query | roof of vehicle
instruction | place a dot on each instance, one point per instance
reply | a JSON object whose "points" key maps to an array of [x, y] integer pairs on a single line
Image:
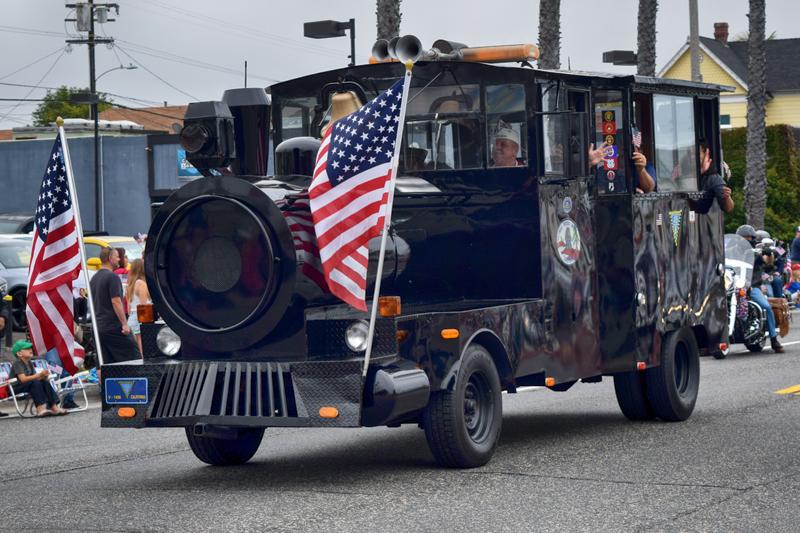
{"points": [[15, 216]]}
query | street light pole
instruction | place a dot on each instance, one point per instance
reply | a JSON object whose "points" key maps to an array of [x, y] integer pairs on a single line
{"points": [[352, 43]]}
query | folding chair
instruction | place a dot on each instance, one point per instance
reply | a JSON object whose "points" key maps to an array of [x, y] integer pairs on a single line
{"points": [[23, 402]]}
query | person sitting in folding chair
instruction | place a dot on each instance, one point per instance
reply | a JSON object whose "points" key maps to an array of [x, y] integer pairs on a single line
{"points": [[37, 384]]}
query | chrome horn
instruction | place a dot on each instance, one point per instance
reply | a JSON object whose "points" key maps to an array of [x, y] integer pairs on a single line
{"points": [[409, 47], [391, 47], [380, 50]]}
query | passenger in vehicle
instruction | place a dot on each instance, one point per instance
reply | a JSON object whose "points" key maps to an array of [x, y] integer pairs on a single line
{"points": [[712, 182], [644, 180], [506, 147]]}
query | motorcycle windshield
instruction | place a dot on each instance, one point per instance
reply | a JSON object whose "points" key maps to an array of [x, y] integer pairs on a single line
{"points": [[739, 257]]}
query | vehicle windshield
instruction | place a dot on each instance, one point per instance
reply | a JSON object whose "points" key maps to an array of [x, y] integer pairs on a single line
{"points": [[15, 254], [739, 256], [9, 226], [133, 250]]}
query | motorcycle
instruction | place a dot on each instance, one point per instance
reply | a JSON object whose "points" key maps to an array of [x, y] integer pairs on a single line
{"points": [[747, 322]]}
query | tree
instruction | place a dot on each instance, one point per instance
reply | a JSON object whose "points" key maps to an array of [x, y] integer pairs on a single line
{"points": [[755, 182], [57, 104], [646, 47], [549, 34], [389, 16]]}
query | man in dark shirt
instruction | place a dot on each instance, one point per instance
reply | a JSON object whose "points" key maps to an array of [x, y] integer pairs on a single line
{"points": [[116, 341], [712, 182], [794, 253]]}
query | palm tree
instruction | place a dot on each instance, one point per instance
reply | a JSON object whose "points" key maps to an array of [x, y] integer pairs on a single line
{"points": [[646, 55], [755, 181], [389, 16], [549, 34]]}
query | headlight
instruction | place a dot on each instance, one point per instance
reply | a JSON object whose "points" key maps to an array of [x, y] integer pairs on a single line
{"points": [[168, 342], [740, 283], [356, 336], [728, 279]]}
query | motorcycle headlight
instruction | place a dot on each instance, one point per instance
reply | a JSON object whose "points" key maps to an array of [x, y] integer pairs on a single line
{"points": [[728, 279], [168, 342], [740, 282], [356, 336]]}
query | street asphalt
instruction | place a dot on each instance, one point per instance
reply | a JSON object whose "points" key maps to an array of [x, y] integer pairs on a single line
{"points": [[566, 461]]}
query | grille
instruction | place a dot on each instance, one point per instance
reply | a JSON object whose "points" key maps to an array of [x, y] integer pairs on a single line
{"points": [[225, 389]]}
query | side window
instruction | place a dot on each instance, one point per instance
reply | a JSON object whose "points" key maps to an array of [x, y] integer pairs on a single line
{"points": [[296, 115], [507, 129], [92, 250], [554, 125], [609, 127], [443, 130], [676, 154]]}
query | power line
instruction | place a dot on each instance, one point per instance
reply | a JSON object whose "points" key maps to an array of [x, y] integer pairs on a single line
{"points": [[40, 81], [32, 63], [156, 75]]}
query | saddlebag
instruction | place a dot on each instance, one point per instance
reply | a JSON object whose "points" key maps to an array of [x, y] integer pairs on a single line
{"points": [[780, 307]]}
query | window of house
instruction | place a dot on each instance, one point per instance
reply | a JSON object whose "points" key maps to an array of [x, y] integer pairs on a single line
{"points": [[676, 153]]}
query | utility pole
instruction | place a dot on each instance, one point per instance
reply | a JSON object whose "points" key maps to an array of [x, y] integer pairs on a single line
{"points": [[694, 41], [86, 13]]}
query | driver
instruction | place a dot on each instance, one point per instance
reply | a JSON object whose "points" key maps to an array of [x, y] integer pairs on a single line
{"points": [[506, 147], [749, 233]]}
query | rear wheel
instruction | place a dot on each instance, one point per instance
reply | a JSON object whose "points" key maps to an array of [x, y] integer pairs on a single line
{"points": [[631, 396], [462, 425], [226, 452], [672, 386]]}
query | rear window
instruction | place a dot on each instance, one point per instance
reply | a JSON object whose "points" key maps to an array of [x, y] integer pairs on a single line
{"points": [[14, 255]]}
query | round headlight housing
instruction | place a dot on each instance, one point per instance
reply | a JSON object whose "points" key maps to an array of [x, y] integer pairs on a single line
{"points": [[356, 336], [168, 342]]}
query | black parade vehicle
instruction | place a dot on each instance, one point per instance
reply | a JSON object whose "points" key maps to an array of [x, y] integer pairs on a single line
{"points": [[554, 269]]}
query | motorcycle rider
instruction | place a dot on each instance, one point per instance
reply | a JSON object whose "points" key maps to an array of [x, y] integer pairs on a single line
{"points": [[760, 264]]}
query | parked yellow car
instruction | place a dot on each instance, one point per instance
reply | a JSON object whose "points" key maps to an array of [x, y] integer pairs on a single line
{"points": [[93, 245]]}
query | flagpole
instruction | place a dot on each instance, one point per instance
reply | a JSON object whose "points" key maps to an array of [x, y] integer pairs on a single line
{"points": [[79, 229], [387, 222]]}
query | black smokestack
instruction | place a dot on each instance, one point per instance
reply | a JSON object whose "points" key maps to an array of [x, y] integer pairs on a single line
{"points": [[250, 109]]}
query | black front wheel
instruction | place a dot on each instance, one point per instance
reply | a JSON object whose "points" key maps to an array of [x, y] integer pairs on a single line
{"points": [[462, 425], [226, 452], [673, 385]]}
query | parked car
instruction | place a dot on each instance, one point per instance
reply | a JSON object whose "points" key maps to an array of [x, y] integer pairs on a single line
{"points": [[15, 256], [94, 243], [11, 223]]}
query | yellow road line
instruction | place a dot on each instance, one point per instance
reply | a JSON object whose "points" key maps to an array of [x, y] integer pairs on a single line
{"points": [[794, 389]]}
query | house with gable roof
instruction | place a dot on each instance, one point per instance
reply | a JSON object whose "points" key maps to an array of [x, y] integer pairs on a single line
{"points": [[725, 62]]}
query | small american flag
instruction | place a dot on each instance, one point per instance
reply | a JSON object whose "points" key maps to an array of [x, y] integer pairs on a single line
{"points": [[55, 263], [636, 137], [350, 191]]}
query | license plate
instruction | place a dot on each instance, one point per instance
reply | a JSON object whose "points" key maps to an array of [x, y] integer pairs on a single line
{"points": [[130, 391]]}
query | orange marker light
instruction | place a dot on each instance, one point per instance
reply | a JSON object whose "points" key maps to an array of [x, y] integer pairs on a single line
{"points": [[389, 306], [723, 346], [328, 412], [550, 381], [401, 335], [126, 412], [146, 313], [742, 293], [451, 333], [641, 365], [501, 54]]}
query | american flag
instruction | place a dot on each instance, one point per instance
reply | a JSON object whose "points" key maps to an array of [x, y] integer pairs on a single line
{"points": [[350, 189], [55, 263], [296, 209]]}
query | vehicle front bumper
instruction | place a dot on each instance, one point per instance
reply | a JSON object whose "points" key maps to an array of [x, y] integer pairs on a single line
{"points": [[261, 394]]}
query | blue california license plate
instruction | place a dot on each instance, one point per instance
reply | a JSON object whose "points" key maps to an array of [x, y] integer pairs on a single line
{"points": [[130, 391]]}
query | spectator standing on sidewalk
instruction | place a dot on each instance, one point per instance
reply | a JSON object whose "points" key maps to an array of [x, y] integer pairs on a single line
{"points": [[116, 341], [136, 293], [794, 251]]}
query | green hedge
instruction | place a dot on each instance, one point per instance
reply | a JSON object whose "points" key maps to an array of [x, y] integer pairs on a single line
{"points": [[783, 179]]}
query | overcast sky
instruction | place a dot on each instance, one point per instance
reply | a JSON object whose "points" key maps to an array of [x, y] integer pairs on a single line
{"points": [[173, 40]]}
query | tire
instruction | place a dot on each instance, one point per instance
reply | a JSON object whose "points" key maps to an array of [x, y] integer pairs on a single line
{"points": [[632, 396], [462, 425], [224, 452], [672, 386], [18, 303], [757, 346]]}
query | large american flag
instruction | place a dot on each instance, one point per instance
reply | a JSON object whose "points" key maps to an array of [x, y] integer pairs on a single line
{"points": [[350, 188], [55, 263]]}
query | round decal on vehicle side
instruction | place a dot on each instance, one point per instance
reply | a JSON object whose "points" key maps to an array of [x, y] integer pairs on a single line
{"points": [[566, 205], [568, 242]]}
